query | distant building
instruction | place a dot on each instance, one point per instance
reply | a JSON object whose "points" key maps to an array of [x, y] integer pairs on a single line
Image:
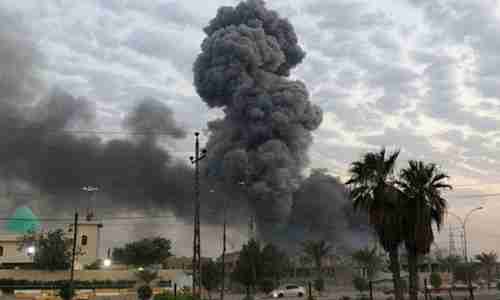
{"points": [[88, 241], [10, 253], [89, 238], [181, 262]]}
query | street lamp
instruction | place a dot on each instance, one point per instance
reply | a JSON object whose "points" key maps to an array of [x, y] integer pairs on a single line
{"points": [[107, 263], [463, 222], [31, 250], [91, 190]]}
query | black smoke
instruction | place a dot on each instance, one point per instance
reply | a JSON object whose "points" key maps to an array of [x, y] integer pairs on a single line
{"points": [[265, 134], [40, 148]]}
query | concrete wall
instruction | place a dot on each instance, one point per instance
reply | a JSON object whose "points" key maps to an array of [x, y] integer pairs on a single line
{"points": [[11, 253], [85, 275]]}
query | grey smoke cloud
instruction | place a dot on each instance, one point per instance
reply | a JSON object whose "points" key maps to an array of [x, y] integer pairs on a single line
{"points": [[265, 134]]}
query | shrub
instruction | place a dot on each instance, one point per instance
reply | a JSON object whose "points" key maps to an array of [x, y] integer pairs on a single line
{"points": [[96, 265], [498, 285], [345, 298], [164, 296], [266, 285], [66, 292], [144, 292], [360, 283], [249, 297], [435, 280], [319, 284], [363, 297]]}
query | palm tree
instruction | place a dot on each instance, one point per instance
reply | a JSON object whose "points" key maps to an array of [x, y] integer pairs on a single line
{"points": [[373, 191], [368, 261], [488, 261], [421, 185], [316, 252]]}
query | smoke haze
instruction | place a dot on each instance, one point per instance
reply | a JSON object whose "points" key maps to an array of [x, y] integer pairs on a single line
{"points": [[257, 151]]}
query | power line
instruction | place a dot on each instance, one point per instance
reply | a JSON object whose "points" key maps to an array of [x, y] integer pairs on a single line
{"points": [[478, 195]]}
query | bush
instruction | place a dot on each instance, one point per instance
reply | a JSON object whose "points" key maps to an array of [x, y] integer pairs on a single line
{"points": [[266, 285], [170, 296], [360, 283], [345, 298], [363, 297], [96, 265], [66, 292], [435, 280], [144, 292], [498, 285], [319, 284], [249, 297], [164, 296], [7, 290]]}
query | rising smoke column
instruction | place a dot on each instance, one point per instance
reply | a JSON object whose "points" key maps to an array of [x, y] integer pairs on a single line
{"points": [[265, 134]]}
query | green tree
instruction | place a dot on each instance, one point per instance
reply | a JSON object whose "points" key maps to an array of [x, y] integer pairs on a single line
{"points": [[211, 276], [435, 280], [316, 251], [143, 253], [274, 263], [488, 261], [53, 251], [449, 262], [373, 190], [248, 266], [368, 261], [421, 185], [146, 275]]}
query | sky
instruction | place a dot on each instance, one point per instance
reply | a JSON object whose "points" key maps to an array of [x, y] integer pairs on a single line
{"points": [[417, 75]]}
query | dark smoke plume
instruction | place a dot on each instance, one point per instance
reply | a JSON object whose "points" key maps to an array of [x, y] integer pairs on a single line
{"points": [[264, 137], [39, 150]]}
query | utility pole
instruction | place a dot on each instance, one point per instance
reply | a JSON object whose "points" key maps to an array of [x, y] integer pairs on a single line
{"points": [[73, 255], [224, 250], [196, 237], [463, 223]]}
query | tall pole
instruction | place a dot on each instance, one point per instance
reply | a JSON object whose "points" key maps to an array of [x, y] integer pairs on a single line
{"points": [[73, 255], [463, 222], [196, 237], [224, 250]]}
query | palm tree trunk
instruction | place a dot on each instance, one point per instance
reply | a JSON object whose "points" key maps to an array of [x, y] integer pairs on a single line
{"points": [[396, 273], [488, 273], [413, 274]]}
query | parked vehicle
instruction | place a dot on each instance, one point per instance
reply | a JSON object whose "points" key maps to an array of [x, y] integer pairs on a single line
{"points": [[288, 290]]}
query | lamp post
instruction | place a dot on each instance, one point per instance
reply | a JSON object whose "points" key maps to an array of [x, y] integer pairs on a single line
{"points": [[92, 190], [463, 223]]}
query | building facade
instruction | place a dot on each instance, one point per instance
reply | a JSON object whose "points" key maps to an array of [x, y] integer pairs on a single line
{"points": [[88, 243]]}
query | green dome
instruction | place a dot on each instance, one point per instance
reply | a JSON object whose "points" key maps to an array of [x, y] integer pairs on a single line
{"points": [[23, 221]]}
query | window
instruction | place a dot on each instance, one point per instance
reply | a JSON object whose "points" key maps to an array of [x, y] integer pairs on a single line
{"points": [[1, 251], [84, 240], [291, 287]]}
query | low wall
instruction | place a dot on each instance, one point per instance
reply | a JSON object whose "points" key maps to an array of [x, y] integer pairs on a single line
{"points": [[85, 275]]}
